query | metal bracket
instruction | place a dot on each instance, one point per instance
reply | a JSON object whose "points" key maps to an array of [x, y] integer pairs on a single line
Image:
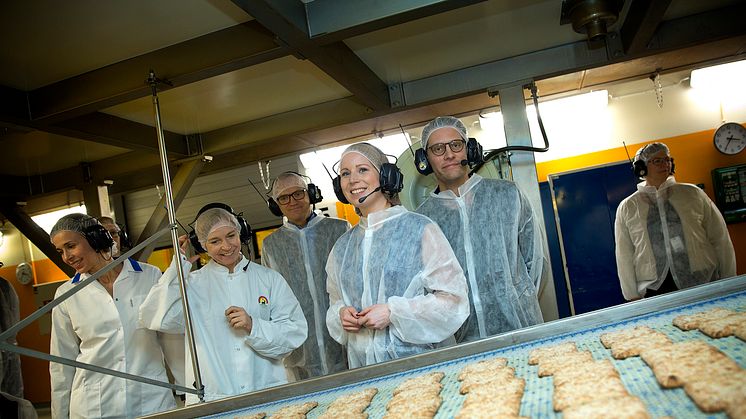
{"points": [[614, 46], [396, 95]]}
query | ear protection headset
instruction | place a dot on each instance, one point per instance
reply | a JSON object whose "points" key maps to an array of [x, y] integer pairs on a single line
{"points": [[244, 232], [640, 168], [97, 236], [390, 178], [474, 156], [314, 195], [124, 238]]}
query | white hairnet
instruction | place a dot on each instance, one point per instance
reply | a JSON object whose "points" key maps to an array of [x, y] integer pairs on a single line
{"points": [[286, 181], [76, 222], [213, 219], [443, 122], [644, 153], [376, 157]]}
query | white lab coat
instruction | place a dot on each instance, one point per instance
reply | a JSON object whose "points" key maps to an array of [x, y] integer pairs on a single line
{"points": [[401, 259], [674, 228], [94, 328], [231, 361]]}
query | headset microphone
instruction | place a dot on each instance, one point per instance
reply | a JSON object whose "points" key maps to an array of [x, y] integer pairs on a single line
{"points": [[361, 200], [464, 162]]}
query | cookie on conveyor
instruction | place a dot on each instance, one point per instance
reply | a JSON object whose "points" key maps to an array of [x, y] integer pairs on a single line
{"points": [[549, 366], [296, 411], [723, 326], [473, 380], [740, 332], [421, 380], [510, 392], [610, 338], [633, 346], [576, 393], [718, 393], [482, 366], [692, 321], [596, 370], [350, 406], [679, 363], [625, 407], [536, 355]]}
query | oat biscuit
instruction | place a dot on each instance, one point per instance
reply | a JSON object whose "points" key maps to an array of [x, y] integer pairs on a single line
{"points": [[723, 326], [261, 415], [715, 394], [425, 379], [608, 339], [625, 407], [475, 380], [549, 366], [596, 370], [536, 355], [692, 321], [296, 411], [351, 405], [680, 363], [481, 366], [578, 393], [633, 346]]}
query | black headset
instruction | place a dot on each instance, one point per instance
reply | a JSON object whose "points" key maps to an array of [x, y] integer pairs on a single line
{"points": [[96, 235], [474, 156], [640, 168], [124, 238], [390, 178], [244, 233], [314, 194]]}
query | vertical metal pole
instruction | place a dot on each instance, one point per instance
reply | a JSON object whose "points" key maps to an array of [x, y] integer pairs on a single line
{"points": [[174, 236]]}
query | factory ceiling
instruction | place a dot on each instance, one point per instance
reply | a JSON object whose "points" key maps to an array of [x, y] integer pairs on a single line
{"points": [[249, 80]]}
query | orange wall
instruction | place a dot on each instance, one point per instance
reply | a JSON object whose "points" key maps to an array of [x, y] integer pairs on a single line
{"points": [[695, 158]]}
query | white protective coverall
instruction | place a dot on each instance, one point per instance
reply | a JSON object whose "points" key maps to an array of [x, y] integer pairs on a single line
{"points": [[675, 227], [402, 259], [300, 255], [231, 361], [96, 328], [494, 234]]}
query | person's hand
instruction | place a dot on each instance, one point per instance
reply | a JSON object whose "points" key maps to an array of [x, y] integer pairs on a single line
{"points": [[377, 316], [184, 247], [349, 317], [239, 318]]}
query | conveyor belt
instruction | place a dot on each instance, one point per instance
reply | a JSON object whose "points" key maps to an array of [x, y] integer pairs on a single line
{"points": [[537, 399]]}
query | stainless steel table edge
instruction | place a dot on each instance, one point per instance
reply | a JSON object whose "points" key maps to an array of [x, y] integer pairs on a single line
{"points": [[532, 334]]}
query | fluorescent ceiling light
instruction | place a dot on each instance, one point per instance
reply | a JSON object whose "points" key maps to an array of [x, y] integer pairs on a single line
{"points": [[725, 77]]}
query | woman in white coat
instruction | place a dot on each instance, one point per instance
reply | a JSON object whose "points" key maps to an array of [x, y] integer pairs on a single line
{"points": [[98, 325], [244, 316], [395, 286]]}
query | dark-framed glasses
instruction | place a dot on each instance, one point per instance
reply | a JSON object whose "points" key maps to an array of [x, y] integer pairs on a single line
{"points": [[440, 148], [660, 160], [297, 195]]}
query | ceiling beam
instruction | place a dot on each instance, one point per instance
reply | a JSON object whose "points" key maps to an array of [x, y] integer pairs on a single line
{"points": [[335, 59], [335, 20], [643, 18], [207, 56], [34, 233]]}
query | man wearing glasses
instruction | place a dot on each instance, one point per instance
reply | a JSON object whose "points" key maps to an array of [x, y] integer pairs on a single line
{"points": [[298, 250], [669, 235], [493, 231]]}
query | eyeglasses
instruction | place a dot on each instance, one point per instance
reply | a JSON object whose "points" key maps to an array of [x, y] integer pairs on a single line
{"points": [[440, 148], [660, 160], [297, 195]]}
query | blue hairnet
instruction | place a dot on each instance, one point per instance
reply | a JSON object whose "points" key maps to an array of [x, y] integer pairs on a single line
{"points": [[443, 122]]}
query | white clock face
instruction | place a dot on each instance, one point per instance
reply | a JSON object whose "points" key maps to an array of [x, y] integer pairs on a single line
{"points": [[24, 273], [730, 138]]}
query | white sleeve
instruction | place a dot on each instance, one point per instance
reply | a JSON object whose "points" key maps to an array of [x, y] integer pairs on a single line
{"points": [[66, 344], [336, 302], [286, 329], [531, 242], [437, 315], [624, 250], [717, 234], [162, 310]]}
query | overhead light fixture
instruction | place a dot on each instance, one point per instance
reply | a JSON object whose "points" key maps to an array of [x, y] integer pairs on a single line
{"points": [[724, 76], [591, 17]]}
